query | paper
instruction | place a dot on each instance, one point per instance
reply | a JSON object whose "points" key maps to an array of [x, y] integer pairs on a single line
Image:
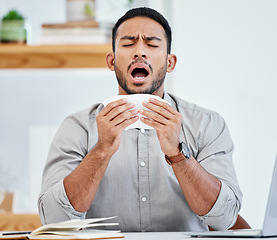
{"points": [[75, 224], [137, 100], [76, 229]]}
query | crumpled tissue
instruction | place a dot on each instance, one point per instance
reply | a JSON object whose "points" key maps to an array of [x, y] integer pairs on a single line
{"points": [[137, 100]]}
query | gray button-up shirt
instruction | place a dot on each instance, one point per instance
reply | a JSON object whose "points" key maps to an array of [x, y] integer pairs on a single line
{"points": [[139, 186]]}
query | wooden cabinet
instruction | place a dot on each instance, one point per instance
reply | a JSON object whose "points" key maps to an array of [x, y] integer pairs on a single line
{"points": [[19, 222], [53, 56]]}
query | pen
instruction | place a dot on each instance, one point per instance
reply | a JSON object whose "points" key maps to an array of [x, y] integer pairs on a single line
{"points": [[14, 233]]}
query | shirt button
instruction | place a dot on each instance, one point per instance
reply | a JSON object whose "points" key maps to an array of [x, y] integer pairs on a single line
{"points": [[142, 164], [142, 130], [143, 199]]}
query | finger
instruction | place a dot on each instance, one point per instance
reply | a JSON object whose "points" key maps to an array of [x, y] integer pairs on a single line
{"points": [[154, 116], [112, 105], [127, 123], [154, 124], [158, 109], [118, 110], [124, 116], [163, 105]]}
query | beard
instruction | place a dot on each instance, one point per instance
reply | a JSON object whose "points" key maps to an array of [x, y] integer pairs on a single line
{"points": [[156, 84]]}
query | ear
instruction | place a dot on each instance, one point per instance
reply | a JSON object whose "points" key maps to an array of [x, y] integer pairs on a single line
{"points": [[110, 61], [171, 62]]}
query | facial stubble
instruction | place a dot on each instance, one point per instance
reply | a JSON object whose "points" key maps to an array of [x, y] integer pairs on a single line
{"points": [[156, 84]]}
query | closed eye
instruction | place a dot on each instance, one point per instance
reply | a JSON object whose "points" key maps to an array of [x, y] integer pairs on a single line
{"points": [[128, 45], [151, 45]]}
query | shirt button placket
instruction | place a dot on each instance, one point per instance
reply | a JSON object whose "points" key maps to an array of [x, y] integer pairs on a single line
{"points": [[144, 184]]}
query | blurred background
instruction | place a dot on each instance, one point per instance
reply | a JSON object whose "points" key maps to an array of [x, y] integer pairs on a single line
{"points": [[227, 58]]}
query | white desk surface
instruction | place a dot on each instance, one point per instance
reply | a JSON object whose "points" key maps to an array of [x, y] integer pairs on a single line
{"points": [[169, 236], [154, 235]]}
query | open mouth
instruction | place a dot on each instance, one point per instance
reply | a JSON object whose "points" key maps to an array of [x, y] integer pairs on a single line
{"points": [[139, 73]]}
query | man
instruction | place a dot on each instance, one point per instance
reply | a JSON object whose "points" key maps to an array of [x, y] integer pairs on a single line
{"points": [[178, 176]]}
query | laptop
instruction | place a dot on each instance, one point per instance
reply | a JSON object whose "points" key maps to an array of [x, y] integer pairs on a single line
{"points": [[270, 220]]}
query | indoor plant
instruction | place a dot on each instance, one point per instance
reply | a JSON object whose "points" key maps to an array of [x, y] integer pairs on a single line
{"points": [[13, 28]]}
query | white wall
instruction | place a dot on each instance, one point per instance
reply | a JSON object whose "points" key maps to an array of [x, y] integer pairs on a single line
{"points": [[227, 57], [33, 104]]}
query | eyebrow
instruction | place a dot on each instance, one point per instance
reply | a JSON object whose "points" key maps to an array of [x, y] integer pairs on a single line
{"points": [[153, 38], [144, 38], [128, 38]]}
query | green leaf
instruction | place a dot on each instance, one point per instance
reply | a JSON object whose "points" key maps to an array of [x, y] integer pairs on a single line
{"points": [[88, 10], [13, 15]]}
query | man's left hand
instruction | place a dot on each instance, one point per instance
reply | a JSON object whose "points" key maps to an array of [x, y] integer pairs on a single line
{"points": [[167, 122]]}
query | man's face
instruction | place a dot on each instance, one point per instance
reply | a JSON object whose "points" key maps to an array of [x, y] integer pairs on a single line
{"points": [[140, 58]]}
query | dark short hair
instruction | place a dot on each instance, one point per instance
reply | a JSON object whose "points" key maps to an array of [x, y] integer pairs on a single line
{"points": [[144, 12]]}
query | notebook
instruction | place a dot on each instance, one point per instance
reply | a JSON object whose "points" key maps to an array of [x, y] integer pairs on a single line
{"points": [[270, 220]]}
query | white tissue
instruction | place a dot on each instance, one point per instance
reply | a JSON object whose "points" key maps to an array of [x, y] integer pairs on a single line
{"points": [[137, 100]]}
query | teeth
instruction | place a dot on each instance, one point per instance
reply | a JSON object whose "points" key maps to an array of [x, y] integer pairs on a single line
{"points": [[139, 77]]}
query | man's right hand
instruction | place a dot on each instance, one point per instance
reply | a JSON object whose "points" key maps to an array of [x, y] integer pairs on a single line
{"points": [[111, 121], [82, 184]]}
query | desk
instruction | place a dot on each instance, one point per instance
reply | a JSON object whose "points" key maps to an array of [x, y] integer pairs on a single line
{"points": [[161, 236], [154, 236], [171, 236], [26, 222]]}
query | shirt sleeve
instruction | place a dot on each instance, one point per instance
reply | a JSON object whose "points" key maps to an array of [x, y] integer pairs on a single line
{"points": [[54, 206], [215, 156], [66, 152]]}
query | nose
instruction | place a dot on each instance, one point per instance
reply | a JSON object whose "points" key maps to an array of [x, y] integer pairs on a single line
{"points": [[139, 51], [139, 55]]}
